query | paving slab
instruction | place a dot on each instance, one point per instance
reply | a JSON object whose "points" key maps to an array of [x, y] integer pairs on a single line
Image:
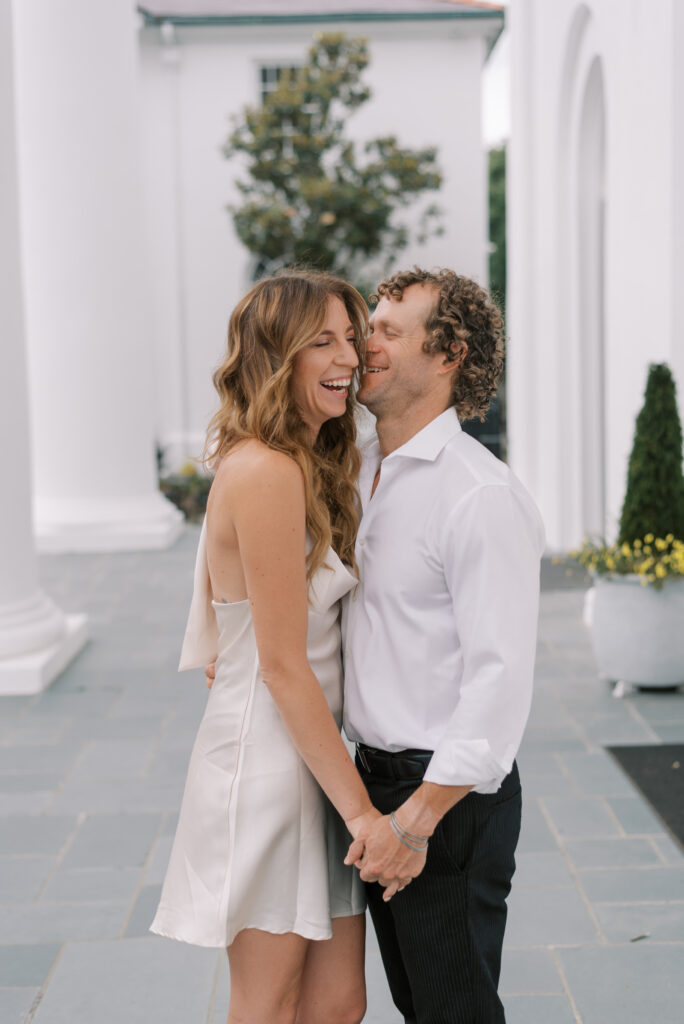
{"points": [[113, 840], [662, 708], [136, 981], [15, 1004], [634, 815], [19, 783], [548, 785], [581, 816], [158, 860], [92, 885], [653, 922], [634, 885], [553, 917], [58, 922], [668, 848], [542, 871], [619, 852], [28, 965], [669, 733], [633, 984], [30, 758], [529, 972], [21, 878], [26, 803], [22, 834], [542, 1009], [596, 773], [118, 796], [535, 835], [143, 911]]}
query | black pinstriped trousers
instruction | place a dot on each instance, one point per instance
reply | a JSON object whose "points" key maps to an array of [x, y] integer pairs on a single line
{"points": [[441, 937]]}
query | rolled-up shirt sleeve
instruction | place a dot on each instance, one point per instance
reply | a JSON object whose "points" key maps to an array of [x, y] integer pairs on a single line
{"points": [[491, 548]]}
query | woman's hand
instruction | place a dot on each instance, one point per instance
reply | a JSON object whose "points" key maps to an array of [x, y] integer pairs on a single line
{"points": [[210, 674], [359, 824], [379, 855]]}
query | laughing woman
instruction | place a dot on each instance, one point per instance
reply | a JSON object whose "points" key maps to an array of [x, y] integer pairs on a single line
{"points": [[257, 862]]}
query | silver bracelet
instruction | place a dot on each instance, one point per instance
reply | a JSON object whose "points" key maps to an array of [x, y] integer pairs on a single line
{"points": [[414, 842]]}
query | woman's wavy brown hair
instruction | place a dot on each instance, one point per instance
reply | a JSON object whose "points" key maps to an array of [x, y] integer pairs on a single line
{"points": [[274, 321], [467, 326]]}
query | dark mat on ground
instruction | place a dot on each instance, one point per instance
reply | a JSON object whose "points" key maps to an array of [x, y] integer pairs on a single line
{"points": [[658, 772]]}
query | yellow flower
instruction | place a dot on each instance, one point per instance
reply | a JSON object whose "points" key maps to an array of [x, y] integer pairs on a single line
{"points": [[660, 571], [649, 538], [626, 550], [637, 543], [610, 562], [669, 538], [660, 544]]}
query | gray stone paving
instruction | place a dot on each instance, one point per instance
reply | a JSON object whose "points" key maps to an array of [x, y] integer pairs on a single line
{"points": [[91, 774]]}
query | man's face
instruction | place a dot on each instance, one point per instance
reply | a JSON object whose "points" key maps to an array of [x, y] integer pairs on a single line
{"points": [[398, 373]]}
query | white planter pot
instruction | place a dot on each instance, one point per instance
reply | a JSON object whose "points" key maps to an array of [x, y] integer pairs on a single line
{"points": [[638, 631]]}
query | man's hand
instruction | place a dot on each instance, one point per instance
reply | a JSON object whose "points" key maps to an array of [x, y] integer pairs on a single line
{"points": [[382, 857], [210, 674]]}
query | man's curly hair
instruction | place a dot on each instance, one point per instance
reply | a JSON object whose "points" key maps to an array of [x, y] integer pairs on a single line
{"points": [[466, 324]]}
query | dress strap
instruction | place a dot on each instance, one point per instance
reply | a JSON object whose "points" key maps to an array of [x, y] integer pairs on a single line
{"points": [[200, 644]]}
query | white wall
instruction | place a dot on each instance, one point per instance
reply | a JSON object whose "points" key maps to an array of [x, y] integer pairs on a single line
{"points": [[554, 48], [426, 89]]}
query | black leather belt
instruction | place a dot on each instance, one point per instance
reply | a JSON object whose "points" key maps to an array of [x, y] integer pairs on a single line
{"points": [[402, 766]]}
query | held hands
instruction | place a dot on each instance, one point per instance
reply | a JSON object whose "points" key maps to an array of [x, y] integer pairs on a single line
{"points": [[381, 856]]}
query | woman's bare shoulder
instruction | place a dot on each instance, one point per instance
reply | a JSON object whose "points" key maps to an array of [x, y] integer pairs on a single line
{"points": [[253, 466]]}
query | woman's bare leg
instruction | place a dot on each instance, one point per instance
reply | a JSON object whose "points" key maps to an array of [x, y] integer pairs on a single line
{"points": [[333, 988], [266, 973]]}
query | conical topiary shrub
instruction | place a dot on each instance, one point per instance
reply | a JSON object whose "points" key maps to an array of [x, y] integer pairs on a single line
{"points": [[654, 501]]}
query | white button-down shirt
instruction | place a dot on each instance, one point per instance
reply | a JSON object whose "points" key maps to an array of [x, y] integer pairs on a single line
{"points": [[440, 633]]}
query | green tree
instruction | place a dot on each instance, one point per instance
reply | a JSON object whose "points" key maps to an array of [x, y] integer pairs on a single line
{"points": [[307, 198], [497, 225], [654, 500]]}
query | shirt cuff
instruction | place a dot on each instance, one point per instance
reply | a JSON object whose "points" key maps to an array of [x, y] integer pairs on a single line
{"points": [[466, 763]]}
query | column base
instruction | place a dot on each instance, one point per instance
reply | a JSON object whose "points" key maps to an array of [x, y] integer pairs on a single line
{"points": [[101, 526], [32, 673]]}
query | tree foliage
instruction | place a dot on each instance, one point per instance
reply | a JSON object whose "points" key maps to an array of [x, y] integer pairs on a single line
{"points": [[654, 500], [307, 197], [497, 225]]}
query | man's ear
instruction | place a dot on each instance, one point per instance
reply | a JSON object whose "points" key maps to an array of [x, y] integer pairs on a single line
{"points": [[449, 365]]}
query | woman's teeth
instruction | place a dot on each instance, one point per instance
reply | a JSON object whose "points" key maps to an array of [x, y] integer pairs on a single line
{"points": [[337, 385]]}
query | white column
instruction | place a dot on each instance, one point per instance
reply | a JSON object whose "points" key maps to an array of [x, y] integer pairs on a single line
{"points": [[90, 364], [36, 639], [521, 308]]}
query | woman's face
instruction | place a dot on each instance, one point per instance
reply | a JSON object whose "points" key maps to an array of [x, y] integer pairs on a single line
{"points": [[323, 370]]}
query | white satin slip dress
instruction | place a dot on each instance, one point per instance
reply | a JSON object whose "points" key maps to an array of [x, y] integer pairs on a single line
{"points": [[258, 844]]}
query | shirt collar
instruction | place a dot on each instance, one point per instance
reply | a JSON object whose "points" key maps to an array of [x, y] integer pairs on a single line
{"points": [[429, 442]]}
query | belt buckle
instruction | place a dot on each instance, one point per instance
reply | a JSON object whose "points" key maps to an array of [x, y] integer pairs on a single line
{"points": [[363, 759]]}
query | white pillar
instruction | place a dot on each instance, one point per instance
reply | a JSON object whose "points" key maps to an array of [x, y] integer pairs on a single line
{"points": [[90, 364], [36, 639]]}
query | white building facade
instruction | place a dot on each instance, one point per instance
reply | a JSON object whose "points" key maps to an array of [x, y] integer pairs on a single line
{"points": [[202, 62], [119, 262], [595, 244]]}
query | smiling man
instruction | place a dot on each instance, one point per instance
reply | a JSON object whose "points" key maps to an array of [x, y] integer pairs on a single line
{"points": [[439, 649]]}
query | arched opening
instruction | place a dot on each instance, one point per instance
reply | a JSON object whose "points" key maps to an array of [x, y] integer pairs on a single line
{"points": [[590, 262]]}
